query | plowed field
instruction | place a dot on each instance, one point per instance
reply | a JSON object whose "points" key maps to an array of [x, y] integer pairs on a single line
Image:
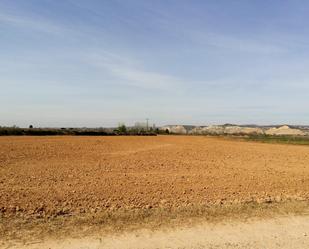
{"points": [[48, 176]]}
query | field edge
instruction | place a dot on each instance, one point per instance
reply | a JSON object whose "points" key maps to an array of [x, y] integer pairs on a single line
{"points": [[119, 221]]}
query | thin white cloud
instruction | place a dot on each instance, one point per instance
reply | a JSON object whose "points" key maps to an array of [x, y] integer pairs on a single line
{"points": [[193, 31], [237, 43], [29, 23], [144, 79], [129, 72]]}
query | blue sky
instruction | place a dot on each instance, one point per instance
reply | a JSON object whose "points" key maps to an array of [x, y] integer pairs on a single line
{"points": [[100, 62]]}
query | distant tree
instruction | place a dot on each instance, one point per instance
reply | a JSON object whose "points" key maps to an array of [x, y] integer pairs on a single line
{"points": [[122, 129], [167, 131], [30, 126]]}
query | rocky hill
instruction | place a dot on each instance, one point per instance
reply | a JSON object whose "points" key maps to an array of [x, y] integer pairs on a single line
{"points": [[230, 129]]}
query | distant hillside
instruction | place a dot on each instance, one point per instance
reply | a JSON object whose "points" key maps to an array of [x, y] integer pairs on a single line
{"points": [[232, 129]]}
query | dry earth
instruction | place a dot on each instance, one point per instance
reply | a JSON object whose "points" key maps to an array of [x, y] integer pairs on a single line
{"points": [[48, 176], [278, 233], [123, 179]]}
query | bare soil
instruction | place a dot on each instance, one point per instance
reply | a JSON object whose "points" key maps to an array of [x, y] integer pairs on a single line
{"points": [[98, 192], [53, 176]]}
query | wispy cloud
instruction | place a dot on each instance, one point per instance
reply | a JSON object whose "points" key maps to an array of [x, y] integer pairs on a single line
{"points": [[31, 23], [131, 73], [235, 43], [198, 33]]}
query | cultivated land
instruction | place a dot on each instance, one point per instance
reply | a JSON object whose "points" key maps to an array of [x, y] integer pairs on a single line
{"points": [[123, 179]]}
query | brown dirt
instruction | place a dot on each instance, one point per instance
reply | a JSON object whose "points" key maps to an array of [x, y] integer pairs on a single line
{"points": [[52, 176]]}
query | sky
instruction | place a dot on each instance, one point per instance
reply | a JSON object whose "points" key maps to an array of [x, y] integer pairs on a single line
{"points": [[94, 63]]}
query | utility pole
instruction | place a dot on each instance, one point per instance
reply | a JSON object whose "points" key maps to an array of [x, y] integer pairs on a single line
{"points": [[147, 119]]}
